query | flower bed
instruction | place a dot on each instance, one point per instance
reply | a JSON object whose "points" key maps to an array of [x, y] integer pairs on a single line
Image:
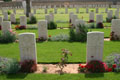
{"points": [[17, 27]]}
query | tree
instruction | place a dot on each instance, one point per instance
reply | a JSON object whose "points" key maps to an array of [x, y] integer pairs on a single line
{"points": [[28, 7]]}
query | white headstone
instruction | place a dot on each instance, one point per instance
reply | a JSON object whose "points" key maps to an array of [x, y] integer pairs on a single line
{"points": [[97, 10], [12, 18], [42, 29], [66, 10], [27, 44], [99, 18], [48, 18], [6, 26], [23, 21], [34, 10], [115, 27], [117, 14], [1, 20], [110, 14], [77, 10], [55, 10], [14, 11], [95, 42], [45, 10], [73, 18], [91, 16], [87, 10], [5, 16]]}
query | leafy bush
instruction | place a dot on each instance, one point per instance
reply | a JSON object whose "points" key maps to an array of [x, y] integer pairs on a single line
{"points": [[82, 68], [110, 19], [17, 27], [7, 0], [113, 62], [95, 66], [52, 25], [59, 37], [8, 37], [9, 12], [113, 37], [33, 20], [81, 36], [92, 25], [90, 21], [28, 66], [99, 25], [9, 66]]}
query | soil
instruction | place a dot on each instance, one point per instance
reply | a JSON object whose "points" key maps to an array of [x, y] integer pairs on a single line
{"points": [[54, 69]]}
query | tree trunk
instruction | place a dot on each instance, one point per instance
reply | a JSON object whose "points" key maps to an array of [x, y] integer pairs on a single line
{"points": [[28, 7]]}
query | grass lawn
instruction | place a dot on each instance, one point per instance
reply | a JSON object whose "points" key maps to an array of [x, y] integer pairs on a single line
{"points": [[99, 76]]}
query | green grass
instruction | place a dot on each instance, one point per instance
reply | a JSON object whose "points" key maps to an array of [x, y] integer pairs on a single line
{"points": [[51, 51], [99, 76]]}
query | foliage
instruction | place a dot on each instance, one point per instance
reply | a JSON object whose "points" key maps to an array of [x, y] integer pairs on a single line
{"points": [[33, 20], [40, 39], [95, 66], [64, 59], [52, 25], [110, 19], [92, 25], [44, 69], [99, 25], [9, 66], [113, 37], [82, 68], [0, 27], [59, 37], [79, 36], [8, 37], [9, 12], [7, 0], [113, 62], [90, 21], [17, 27], [28, 66]]}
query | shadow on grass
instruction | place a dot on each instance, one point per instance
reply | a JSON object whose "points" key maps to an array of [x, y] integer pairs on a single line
{"points": [[94, 75], [16, 76]]}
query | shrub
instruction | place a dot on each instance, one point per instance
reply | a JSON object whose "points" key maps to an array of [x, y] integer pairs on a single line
{"points": [[82, 68], [28, 66], [0, 27], [113, 62], [8, 37], [9, 12], [59, 37], [81, 36], [99, 25], [33, 20], [113, 37], [90, 21], [110, 19], [95, 66], [9, 66], [17, 27], [64, 59], [92, 25], [52, 25]]}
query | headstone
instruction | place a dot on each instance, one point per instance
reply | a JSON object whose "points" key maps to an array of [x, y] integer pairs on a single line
{"points": [[42, 29], [12, 18], [14, 11], [48, 18], [78, 22], [110, 14], [23, 21], [91, 16], [99, 18], [6, 26], [31, 15], [95, 42], [106, 10], [1, 20], [77, 10], [97, 10], [45, 10], [52, 16], [66, 10], [73, 18], [34, 10], [117, 14], [87, 10], [55, 10], [115, 27], [5, 16], [70, 14], [27, 45]]}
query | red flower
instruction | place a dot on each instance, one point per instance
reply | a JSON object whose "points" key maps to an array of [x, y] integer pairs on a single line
{"points": [[49, 35], [82, 65], [114, 66], [109, 69]]}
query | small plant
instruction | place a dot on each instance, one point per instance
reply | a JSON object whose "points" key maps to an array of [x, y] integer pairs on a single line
{"points": [[90, 21], [9, 12], [40, 39], [113, 62], [17, 27], [113, 37], [44, 69], [28, 66], [99, 25], [52, 25], [59, 37], [64, 59], [80, 36], [96, 66], [82, 68], [33, 20], [8, 37], [9, 66]]}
